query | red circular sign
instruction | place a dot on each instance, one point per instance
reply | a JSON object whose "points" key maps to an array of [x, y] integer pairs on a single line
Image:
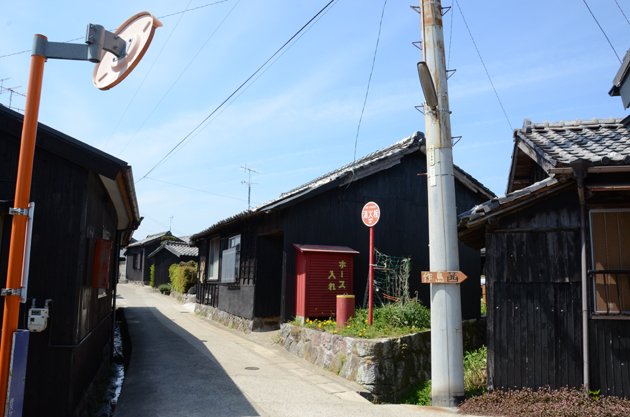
{"points": [[370, 214]]}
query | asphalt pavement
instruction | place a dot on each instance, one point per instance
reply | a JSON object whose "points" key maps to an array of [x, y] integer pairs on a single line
{"points": [[186, 365]]}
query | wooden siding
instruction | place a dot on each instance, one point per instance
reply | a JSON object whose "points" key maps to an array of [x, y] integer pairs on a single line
{"points": [[610, 356], [72, 208], [534, 336], [333, 218], [534, 296], [533, 278]]}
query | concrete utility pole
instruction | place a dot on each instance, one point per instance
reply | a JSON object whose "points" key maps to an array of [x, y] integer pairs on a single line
{"points": [[447, 348]]}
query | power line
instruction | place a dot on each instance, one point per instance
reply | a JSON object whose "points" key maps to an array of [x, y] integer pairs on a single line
{"points": [[484, 66], [195, 189], [600, 27], [179, 232], [238, 89], [250, 84], [179, 77], [367, 91], [624, 15], [145, 76], [161, 17]]}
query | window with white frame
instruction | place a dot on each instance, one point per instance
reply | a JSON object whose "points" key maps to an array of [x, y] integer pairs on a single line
{"points": [[213, 259], [231, 260], [610, 254]]}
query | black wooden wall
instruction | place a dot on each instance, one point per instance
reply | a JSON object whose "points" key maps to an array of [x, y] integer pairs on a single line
{"points": [[267, 266], [535, 300], [610, 356], [131, 273], [333, 218], [534, 296], [72, 207]]}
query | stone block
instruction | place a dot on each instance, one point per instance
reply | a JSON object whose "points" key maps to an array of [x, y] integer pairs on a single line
{"points": [[327, 358], [337, 342], [317, 338], [327, 340], [365, 348], [285, 330], [296, 332]]}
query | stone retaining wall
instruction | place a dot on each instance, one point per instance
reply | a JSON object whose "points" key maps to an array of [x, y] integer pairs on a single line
{"points": [[387, 368], [229, 320]]}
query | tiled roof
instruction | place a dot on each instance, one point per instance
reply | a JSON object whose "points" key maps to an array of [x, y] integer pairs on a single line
{"points": [[595, 141], [177, 248], [472, 224], [490, 206], [148, 239], [374, 162]]}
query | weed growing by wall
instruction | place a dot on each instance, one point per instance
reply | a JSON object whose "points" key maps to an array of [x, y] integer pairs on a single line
{"points": [[183, 276]]}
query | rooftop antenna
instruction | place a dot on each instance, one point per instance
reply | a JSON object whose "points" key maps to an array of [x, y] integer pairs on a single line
{"points": [[249, 183], [170, 222], [115, 55]]}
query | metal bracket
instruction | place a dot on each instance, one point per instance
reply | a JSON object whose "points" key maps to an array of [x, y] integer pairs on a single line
{"points": [[96, 38], [416, 8], [445, 10], [10, 291], [18, 212], [417, 44], [457, 141], [448, 77], [420, 107]]}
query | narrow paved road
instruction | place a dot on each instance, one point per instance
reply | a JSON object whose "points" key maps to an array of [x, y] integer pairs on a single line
{"points": [[185, 365]]}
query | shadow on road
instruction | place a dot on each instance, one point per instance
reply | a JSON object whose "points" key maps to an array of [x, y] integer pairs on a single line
{"points": [[169, 375]]}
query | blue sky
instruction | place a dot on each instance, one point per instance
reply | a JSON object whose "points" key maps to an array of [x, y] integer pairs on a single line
{"points": [[548, 61]]}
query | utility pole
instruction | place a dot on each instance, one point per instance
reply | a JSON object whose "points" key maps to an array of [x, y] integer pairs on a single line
{"points": [[249, 183], [447, 347]]}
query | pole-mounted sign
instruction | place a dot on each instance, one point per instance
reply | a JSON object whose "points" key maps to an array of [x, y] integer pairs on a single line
{"points": [[370, 215], [116, 55], [443, 277]]}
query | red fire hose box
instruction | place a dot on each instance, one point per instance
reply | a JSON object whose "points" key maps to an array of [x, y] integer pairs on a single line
{"points": [[323, 273]]}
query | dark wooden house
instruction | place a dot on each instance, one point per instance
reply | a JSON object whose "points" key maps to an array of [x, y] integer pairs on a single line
{"points": [[167, 254], [137, 254], [558, 259], [248, 261], [84, 200]]}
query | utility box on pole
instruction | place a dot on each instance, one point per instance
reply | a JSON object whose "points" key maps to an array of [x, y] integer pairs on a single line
{"points": [[447, 348]]}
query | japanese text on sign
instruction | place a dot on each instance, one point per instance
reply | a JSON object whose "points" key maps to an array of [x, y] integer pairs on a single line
{"points": [[370, 214], [443, 277], [340, 283]]}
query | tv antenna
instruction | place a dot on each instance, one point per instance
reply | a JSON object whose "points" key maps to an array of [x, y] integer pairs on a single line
{"points": [[170, 222], [249, 183]]}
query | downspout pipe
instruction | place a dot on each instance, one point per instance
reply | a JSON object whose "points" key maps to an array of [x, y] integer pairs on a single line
{"points": [[580, 173]]}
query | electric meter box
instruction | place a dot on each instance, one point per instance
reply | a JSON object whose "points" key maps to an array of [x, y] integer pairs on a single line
{"points": [[37, 319]]}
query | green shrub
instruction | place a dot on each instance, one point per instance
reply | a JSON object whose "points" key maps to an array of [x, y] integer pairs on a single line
{"points": [[475, 365], [420, 395], [165, 288], [167, 238], [484, 310], [388, 320], [183, 276], [151, 274]]}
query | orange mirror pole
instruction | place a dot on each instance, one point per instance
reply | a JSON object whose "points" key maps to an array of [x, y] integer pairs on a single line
{"points": [[18, 229]]}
